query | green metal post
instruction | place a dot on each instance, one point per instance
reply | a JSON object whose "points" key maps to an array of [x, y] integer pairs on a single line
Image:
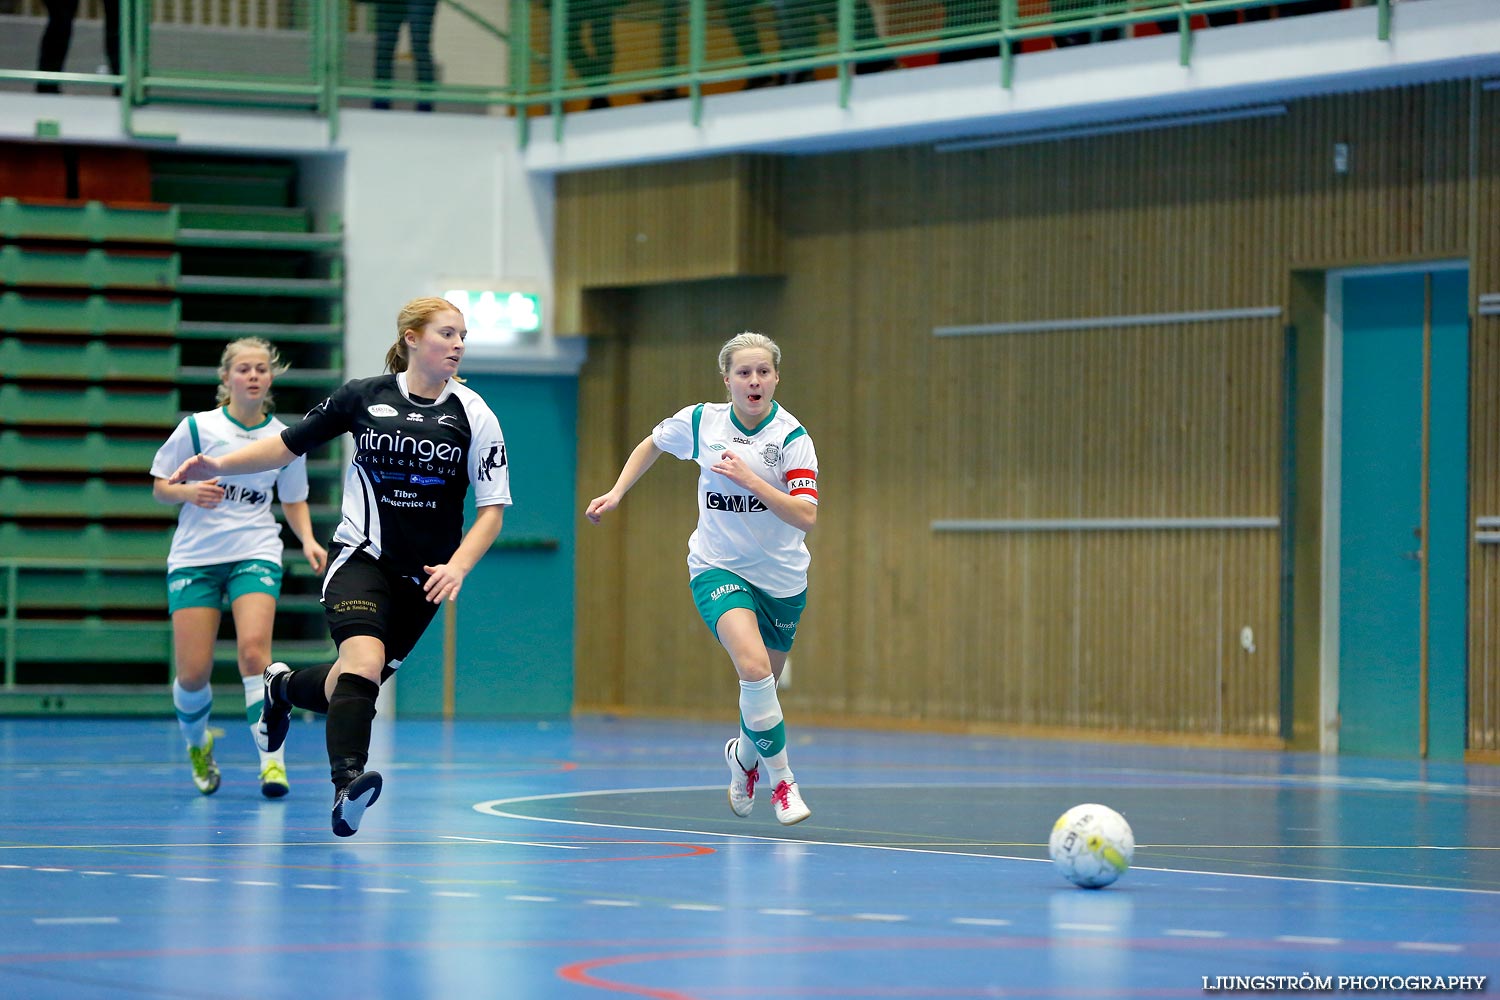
{"points": [[520, 67], [846, 46], [1007, 58], [1383, 31], [143, 51], [1184, 36], [697, 44], [559, 69], [127, 63], [330, 60]]}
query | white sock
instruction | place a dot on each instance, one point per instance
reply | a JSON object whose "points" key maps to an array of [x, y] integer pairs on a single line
{"points": [[192, 712], [255, 693], [762, 728]]}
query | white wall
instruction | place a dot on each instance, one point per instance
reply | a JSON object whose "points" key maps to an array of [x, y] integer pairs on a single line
{"points": [[431, 198]]}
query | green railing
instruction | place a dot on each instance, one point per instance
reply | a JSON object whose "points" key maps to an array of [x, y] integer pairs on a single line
{"points": [[552, 57]]}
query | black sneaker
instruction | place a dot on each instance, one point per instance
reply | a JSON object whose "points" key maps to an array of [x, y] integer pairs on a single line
{"points": [[351, 801], [275, 713]]}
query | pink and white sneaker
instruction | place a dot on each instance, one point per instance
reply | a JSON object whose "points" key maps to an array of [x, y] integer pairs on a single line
{"points": [[789, 805], [741, 781]]}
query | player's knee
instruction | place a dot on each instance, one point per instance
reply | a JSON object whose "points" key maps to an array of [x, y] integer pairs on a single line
{"points": [[253, 658]]}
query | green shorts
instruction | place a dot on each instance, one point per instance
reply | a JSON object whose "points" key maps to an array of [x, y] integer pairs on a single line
{"points": [[715, 591], [209, 586]]}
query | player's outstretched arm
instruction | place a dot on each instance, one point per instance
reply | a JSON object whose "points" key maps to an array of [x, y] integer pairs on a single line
{"points": [[642, 458], [267, 453], [205, 493]]}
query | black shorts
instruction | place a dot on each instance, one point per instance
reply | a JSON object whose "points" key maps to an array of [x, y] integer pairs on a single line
{"points": [[365, 596]]}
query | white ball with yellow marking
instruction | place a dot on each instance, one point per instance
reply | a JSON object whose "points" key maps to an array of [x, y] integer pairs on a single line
{"points": [[1091, 845]]}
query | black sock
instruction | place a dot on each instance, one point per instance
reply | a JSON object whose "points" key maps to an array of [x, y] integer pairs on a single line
{"points": [[304, 688], [350, 712]]}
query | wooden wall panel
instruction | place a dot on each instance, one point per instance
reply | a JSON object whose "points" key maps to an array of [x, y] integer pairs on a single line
{"points": [[1131, 631]]}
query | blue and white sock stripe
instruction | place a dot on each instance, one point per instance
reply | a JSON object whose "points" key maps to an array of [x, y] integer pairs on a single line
{"points": [[195, 716]]}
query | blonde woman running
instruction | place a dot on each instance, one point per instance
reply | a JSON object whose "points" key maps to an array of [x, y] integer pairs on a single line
{"points": [[747, 560], [227, 546]]}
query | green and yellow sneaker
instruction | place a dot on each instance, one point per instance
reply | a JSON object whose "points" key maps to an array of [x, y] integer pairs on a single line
{"points": [[273, 783], [205, 771]]}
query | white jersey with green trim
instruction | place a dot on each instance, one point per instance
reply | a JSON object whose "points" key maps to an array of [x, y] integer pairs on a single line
{"points": [[736, 531], [242, 526]]}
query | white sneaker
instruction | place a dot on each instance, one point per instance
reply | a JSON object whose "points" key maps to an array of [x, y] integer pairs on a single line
{"points": [[351, 801], [789, 805], [741, 781]]}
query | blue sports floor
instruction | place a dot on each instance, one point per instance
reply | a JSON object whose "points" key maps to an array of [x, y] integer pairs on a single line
{"points": [[598, 858]]}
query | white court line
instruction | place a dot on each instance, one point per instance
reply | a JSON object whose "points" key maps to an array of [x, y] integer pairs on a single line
{"points": [[457, 895], [253, 882], [775, 912], [491, 807], [611, 902], [698, 907], [54, 921], [1299, 939], [980, 922], [1428, 946], [533, 899], [1095, 928], [517, 843], [1189, 933], [314, 885], [883, 918]]}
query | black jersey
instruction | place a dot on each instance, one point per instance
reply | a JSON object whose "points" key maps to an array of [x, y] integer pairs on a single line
{"points": [[413, 463]]}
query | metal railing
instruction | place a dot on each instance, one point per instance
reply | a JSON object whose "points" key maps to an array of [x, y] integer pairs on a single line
{"points": [[532, 57]]}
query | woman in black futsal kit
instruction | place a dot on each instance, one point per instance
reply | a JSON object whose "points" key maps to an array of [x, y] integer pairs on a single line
{"points": [[421, 440]]}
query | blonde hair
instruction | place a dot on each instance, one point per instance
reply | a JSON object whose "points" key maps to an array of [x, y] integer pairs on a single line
{"points": [[740, 341], [413, 316], [226, 361]]}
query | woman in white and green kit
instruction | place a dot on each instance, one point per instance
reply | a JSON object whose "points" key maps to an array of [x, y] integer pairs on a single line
{"points": [[748, 559], [227, 547]]}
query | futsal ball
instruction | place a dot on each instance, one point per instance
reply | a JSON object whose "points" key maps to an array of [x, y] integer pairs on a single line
{"points": [[1091, 845]]}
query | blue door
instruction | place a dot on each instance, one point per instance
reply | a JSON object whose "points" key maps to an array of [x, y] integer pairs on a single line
{"points": [[1383, 693]]}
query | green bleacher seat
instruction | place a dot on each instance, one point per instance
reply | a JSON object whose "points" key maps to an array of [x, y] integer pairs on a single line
{"points": [[97, 269], [92, 638], [86, 498], [30, 450], [90, 314], [88, 360], [240, 218], [316, 288], [90, 221], [89, 406], [185, 182], [91, 588], [85, 542]]}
